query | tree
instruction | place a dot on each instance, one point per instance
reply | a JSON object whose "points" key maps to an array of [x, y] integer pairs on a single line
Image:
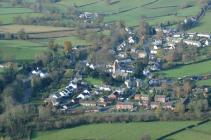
{"points": [[146, 137], [204, 3], [139, 67], [44, 112], [52, 46], [187, 87], [22, 34], [7, 36], [180, 108], [36, 83], [67, 46]]}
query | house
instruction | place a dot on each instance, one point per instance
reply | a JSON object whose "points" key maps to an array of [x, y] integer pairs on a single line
{"points": [[102, 104], [141, 54], [157, 42], [168, 106], [84, 95], [146, 72], [154, 105], [161, 98], [91, 66], [124, 106], [153, 51], [87, 103], [174, 40], [39, 73], [208, 36], [154, 82], [113, 96], [131, 40], [145, 100], [122, 68], [207, 43], [137, 97], [86, 15], [192, 43], [103, 99]]}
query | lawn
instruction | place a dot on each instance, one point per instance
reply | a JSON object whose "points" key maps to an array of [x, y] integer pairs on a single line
{"points": [[75, 41], [116, 131], [202, 132], [31, 28], [204, 82], [94, 81], [8, 18], [76, 2], [188, 70], [14, 10], [11, 50], [156, 11], [204, 25]]}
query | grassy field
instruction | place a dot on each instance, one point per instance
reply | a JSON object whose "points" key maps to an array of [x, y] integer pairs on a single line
{"points": [[117, 131], [204, 83], [188, 70], [76, 2], [202, 132], [11, 50], [205, 24], [31, 28], [131, 12], [14, 10], [94, 81], [75, 41], [8, 12], [8, 19]]}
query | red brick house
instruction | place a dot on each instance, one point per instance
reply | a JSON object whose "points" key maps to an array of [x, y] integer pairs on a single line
{"points": [[161, 98], [137, 97], [124, 106], [88, 103]]}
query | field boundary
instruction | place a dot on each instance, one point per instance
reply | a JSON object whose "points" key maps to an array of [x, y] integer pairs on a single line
{"points": [[189, 127]]}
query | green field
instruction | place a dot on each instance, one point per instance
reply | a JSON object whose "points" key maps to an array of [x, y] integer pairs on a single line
{"points": [[75, 41], [116, 131], [31, 28], [156, 11], [204, 24], [76, 2], [204, 83], [94, 81], [8, 19], [202, 132], [11, 50], [14, 10], [7, 13], [188, 70]]}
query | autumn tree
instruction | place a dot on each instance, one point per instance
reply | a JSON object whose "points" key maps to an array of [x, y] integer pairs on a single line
{"points": [[187, 87], [180, 108], [52, 46], [67, 46]]}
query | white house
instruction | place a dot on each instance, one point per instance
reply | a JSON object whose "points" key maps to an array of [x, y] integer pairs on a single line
{"points": [[131, 40], [153, 51], [204, 36], [193, 43]]}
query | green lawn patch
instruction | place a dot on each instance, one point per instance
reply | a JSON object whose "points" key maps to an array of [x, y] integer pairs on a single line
{"points": [[188, 70], [115, 131], [204, 25], [94, 81], [204, 82], [198, 133], [20, 50]]}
